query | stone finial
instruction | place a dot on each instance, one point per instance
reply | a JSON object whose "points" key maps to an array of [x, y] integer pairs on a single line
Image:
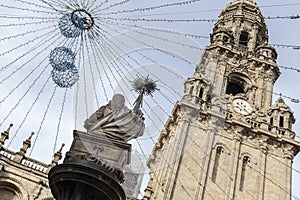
{"points": [[280, 99], [148, 193], [8, 129], [26, 145], [281, 105], [58, 155], [4, 135]]}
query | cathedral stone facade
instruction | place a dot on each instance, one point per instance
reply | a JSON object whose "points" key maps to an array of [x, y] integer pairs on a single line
{"points": [[22, 177], [225, 139]]}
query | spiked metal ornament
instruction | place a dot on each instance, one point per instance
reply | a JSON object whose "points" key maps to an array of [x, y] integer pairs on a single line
{"points": [[143, 86]]}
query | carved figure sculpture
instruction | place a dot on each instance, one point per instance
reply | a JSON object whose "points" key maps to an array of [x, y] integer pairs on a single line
{"points": [[116, 121]]}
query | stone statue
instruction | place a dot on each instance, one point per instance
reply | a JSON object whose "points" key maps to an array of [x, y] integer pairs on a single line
{"points": [[116, 121]]}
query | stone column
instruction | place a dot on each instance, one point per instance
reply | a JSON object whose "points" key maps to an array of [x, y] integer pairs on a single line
{"points": [[268, 93], [288, 164], [181, 134], [259, 94], [92, 169], [261, 178], [234, 165], [207, 150]]}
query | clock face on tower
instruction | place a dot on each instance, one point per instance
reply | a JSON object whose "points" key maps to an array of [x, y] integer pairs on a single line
{"points": [[242, 106]]}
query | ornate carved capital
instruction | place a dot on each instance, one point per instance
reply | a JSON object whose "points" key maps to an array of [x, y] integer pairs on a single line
{"points": [[237, 137], [263, 146], [288, 152]]}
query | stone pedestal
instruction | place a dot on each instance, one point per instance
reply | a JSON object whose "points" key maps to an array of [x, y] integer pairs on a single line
{"points": [[92, 169]]}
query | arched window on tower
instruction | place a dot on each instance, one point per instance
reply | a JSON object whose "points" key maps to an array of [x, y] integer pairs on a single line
{"points": [[271, 124], [281, 121], [246, 160], [225, 39], [260, 38], [191, 90], [201, 92], [235, 86], [265, 53], [216, 164], [271, 121], [244, 38]]}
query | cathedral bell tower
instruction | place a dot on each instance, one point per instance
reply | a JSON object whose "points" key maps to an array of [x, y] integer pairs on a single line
{"points": [[224, 138]]}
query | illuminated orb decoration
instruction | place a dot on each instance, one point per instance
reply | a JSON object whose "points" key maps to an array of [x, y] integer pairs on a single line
{"points": [[60, 57], [71, 25], [67, 78]]}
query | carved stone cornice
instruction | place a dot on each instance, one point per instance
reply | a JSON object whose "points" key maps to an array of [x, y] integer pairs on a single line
{"points": [[273, 139], [263, 144], [162, 140], [151, 160], [99, 161], [237, 137], [236, 56], [289, 154]]}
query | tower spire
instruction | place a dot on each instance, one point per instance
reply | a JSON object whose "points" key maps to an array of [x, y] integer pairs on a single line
{"points": [[237, 26], [4, 135], [58, 155], [26, 145]]}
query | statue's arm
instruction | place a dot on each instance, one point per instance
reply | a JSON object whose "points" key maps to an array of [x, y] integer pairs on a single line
{"points": [[94, 117]]}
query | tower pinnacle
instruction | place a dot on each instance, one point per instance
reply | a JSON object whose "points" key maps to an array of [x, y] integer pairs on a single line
{"points": [[241, 24], [26, 145], [5, 135]]}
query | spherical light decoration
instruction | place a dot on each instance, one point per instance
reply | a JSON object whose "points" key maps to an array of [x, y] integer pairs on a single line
{"points": [[60, 56], [71, 25], [67, 78]]}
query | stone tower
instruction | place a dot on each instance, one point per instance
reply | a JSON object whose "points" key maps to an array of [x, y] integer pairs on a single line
{"points": [[224, 138]]}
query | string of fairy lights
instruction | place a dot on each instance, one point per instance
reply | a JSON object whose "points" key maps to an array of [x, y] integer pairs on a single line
{"points": [[61, 51]]}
